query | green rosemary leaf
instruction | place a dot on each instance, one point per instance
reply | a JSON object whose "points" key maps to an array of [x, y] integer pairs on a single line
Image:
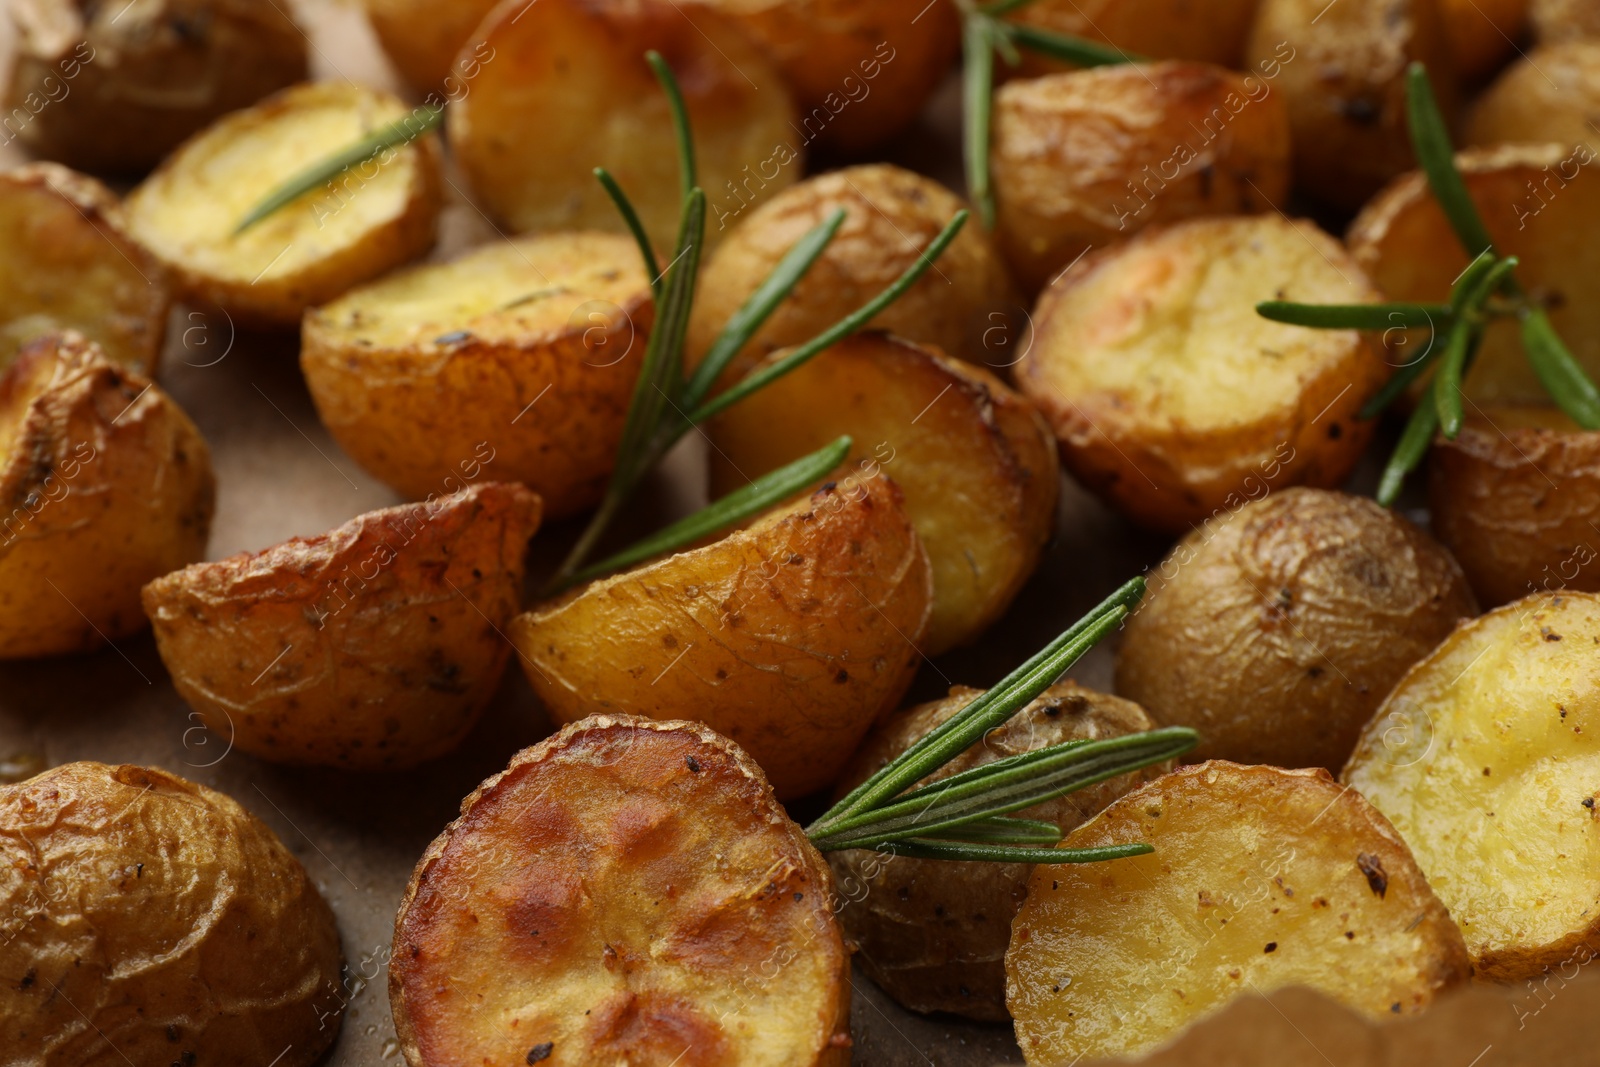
{"points": [[917, 848], [652, 268], [1471, 275], [1473, 289], [1002, 7], [977, 81], [1414, 442], [1563, 376], [1003, 831], [1430, 140], [1073, 50], [687, 176], [1446, 386], [1353, 316]]}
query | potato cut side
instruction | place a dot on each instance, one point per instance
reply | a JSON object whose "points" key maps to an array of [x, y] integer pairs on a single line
{"points": [[625, 894], [378, 215], [980, 492], [1212, 32], [519, 358], [1547, 95], [1261, 879], [790, 636], [1486, 757]]}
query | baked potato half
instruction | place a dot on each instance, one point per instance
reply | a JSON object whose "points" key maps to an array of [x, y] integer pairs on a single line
{"points": [[625, 892], [1261, 878], [149, 920], [535, 125], [1210, 32], [68, 263], [1548, 95], [422, 37], [378, 215], [933, 933], [371, 647], [1483, 758], [1276, 630], [1564, 20], [523, 350], [1172, 398], [105, 484], [791, 636], [976, 462], [115, 87], [1086, 159]]}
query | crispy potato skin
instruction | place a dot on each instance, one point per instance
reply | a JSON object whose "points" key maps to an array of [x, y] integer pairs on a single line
{"points": [[1564, 20], [67, 262], [1545, 96], [1483, 758], [1345, 86], [1482, 33], [1276, 630], [104, 485], [1262, 878], [429, 372], [1172, 398], [980, 486], [627, 892], [148, 920], [307, 252], [1210, 32], [933, 934], [116, 87], [1539, 203], [1085, 159], [790, 636], [422, 37], [534, 125], [371, 647]]}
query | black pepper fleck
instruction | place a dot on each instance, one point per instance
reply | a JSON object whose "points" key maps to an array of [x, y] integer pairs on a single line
{"points": [[541, 1051]]}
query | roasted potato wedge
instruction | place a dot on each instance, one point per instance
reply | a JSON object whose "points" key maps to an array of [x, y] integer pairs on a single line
{"points": [[625, 892], [521, 353], [976, 462], [1088, 158], [150, 920], [67, 263], [1540, 203], [1277, 629], [1482, 33], [1549, 95], [1261, 878], [1564, 20], [371, 647], [1211, 32], [422, 37], [1483, 758], [1172, 398], [1344, 79], [890, 216], [933, 933], [106, 484], [380, 214], [535, 125], [791, 636], [115, 87]]}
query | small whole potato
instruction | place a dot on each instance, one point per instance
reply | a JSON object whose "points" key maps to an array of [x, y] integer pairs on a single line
{"points": [[1564, 20], [1550, 94], [932, 933], [1482, 33], [422, 37], [1276, 630], [1210, 32], [149, 920]]}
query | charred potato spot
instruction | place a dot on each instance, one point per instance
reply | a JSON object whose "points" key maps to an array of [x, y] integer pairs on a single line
{"points": [[422, 38], [1549, 95], [1212, 32]]}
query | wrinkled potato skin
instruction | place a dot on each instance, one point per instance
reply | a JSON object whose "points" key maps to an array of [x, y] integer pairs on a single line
{"points": [[1482, 33], [122, 90], [1085, 159], [1546, 96], [67, 262], [933, 934], [891, 215], [150, 920], [1256, 884], [738, 957], [1208, 31], [421, 37], [763, 635], [104, 485], [1346, 86], [1275, 631], [1492, 739], [1564, 20], [299, 655]]}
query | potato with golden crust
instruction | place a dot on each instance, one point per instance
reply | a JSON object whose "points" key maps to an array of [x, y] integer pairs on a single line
{"points": [[1540, 203], [68, 263], [1086, 159], [1276, 630], [1172, 398], [371, 647], [147, 919], [422, 38], [522, 353], [891, 215], [1344, 79], [1482, 33], [104, 485], [1483, 757], [976, 462], [378, 215], [933, 933], [790, 636], [535, 125], [1212, 31], [1548, 95], [1261, 878], [627, 892], [116, 86], [1564, 20]]}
